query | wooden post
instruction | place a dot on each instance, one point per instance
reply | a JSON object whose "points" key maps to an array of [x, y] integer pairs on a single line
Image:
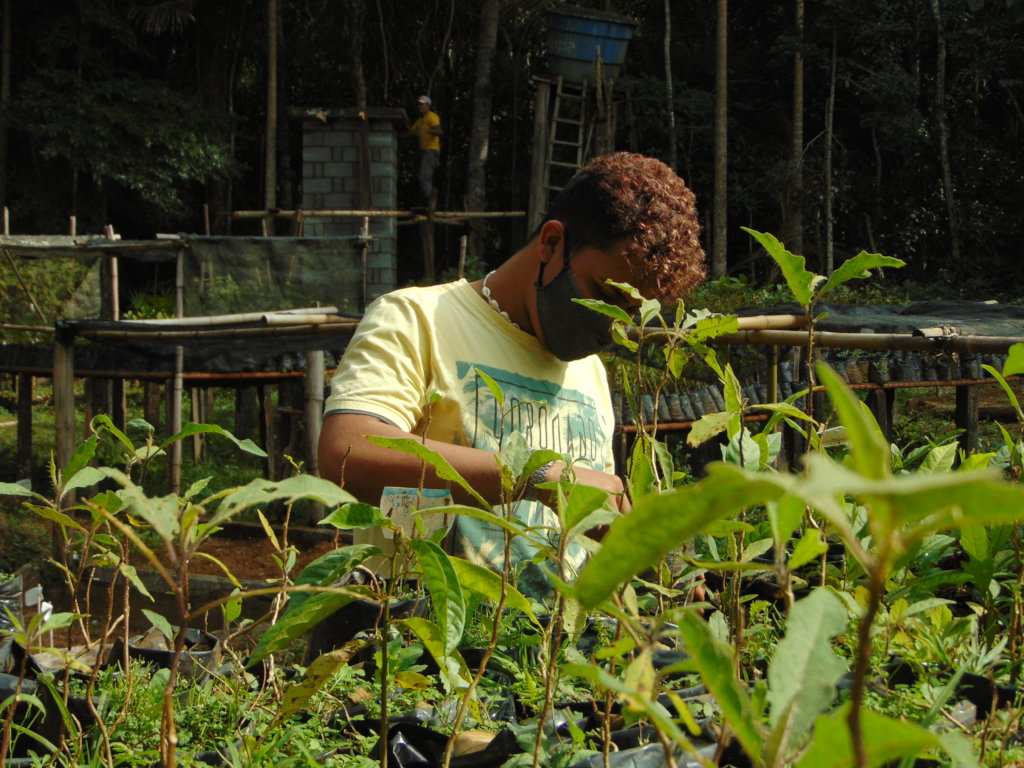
{"points": [[313, 414], [24, 458], [64, 397], [427, 239], [463, 242], [538, 195], [268, 430], [880, 401], [967, 417]]}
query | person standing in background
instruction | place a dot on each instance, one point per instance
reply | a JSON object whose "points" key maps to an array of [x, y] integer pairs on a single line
{"points": [[428, 129]]}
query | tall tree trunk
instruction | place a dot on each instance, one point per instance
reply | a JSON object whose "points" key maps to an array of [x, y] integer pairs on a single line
{"points": [[942, 124], [669, 97], [270, 150], [5, 97], [718, 259], [220, 29], [479, 136], [795, 235], [830, 109]]}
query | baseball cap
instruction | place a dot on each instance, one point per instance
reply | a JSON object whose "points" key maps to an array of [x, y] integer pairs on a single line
{"points": [[424, 100]]}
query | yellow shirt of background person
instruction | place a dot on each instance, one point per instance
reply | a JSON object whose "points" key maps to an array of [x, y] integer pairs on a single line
{"points": [[428, 140]]}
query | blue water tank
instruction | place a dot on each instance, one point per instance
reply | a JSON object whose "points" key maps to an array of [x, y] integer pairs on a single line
{"points": [[575, 35]]}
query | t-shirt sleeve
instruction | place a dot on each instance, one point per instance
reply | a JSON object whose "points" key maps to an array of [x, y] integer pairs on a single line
{"points": [[382, 372]]}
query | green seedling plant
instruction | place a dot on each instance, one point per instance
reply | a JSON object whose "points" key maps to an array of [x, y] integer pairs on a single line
{"points": [[114, 521], [808, 288], [899, 512]]}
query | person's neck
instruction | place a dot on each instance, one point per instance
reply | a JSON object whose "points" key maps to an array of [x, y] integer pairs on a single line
{"points": [[508, 286]]}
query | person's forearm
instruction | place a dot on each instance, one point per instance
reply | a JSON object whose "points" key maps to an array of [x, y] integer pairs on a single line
{"points": [[364, 468]]}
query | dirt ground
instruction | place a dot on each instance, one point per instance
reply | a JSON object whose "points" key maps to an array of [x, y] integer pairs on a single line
{"points": [[249, 553]]}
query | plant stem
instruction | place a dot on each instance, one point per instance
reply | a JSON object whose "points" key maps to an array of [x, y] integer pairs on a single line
{"points": [[876, 575]]}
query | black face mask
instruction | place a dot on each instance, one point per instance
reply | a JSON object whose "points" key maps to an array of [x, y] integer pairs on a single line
{"points": [[571, 331]]}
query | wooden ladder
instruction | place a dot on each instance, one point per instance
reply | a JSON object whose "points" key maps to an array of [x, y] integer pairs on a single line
{"points": [[566, 148]]}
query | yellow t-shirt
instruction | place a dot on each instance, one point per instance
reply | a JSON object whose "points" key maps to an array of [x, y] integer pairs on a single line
{"points": [[428, 140], [420, 342]]}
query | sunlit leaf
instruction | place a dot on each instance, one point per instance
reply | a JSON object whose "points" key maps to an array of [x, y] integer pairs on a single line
{"points": [[445, 590]]}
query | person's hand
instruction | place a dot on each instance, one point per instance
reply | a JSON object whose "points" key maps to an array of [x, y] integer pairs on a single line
{"points": [[596, 479]]}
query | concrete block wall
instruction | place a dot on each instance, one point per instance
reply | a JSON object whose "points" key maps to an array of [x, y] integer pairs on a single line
{"points": [[331, 154]]}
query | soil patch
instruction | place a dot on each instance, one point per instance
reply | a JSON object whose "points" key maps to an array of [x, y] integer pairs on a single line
{"points": [[251, 557]]}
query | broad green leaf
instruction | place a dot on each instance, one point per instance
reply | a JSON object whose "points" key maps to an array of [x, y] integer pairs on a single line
{"points": [[974, 540], [610, 310], [445, 590], [261, 492], [804, 671], [85, 451], [742, 449], [663, 522], [484, 581], [514, 526], [640, 675], [785, 516], [930, 503], [412, 681], [13, 489], [1007, 389], [317, 675], [191, 428], [858, 267], [885, 740], [581, 501], [295, 623], [732, 390], [330, 567], [232, 609], [810, 546], [162, 624], [1014, 361], [49, 513], [132, 574], [453, 666], [707, 426], [83, 478], [939, 459], [869, 448], [442, 468], [494, 387], [801, 282], [357, 516], [715, 664], [160, 512]]}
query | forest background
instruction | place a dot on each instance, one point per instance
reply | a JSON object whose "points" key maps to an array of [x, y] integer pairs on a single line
{"points": [[887, 125]]}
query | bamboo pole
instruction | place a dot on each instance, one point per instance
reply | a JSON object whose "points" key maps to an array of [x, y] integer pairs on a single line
{"points": [[177, 382], [25, 288], [358, 213], [238, 317], [314, 329]]}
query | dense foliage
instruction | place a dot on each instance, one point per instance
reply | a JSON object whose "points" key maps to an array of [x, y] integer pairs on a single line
{"points": [[136, 113]]}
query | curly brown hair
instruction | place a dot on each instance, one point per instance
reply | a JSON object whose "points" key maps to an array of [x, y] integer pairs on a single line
{"points": [[626, 196]]}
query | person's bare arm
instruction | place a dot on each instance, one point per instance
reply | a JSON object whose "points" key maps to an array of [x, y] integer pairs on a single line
{"points": [[364, 468]]}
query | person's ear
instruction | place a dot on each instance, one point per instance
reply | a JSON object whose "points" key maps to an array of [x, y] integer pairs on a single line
{"points": [[551, 239]]}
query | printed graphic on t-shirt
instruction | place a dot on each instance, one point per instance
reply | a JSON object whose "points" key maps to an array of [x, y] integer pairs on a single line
{"points": [[547, 415]]}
